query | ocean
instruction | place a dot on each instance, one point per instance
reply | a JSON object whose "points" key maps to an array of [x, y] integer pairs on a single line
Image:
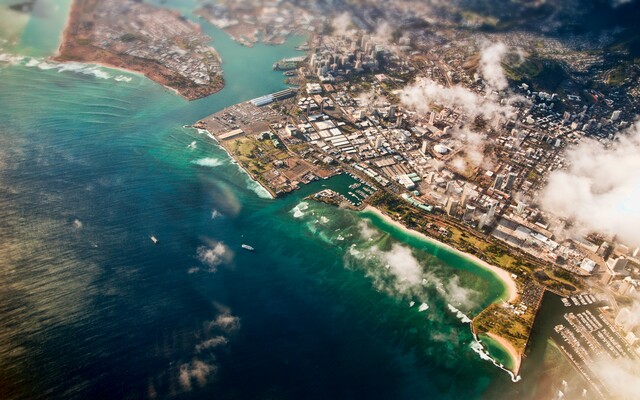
{"points": [[331, 304]]}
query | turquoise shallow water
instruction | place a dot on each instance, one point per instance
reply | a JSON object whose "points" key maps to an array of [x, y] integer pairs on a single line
{"points": [[328, 306]]}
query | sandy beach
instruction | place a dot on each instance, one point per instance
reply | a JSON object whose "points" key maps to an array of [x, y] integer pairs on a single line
{"points": [[515, 356], [504, 276]]}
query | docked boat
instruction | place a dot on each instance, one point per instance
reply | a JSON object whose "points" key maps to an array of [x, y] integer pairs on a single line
{"points": [[247, 247]]}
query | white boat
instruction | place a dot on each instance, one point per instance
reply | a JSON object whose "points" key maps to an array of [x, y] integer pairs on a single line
{"points": [[247, 247], [154, 239]]}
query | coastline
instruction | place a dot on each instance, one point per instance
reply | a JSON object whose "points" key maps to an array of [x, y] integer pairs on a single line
{"points": [[235, 161], [505, 344], [502, 275], [69, 51]]}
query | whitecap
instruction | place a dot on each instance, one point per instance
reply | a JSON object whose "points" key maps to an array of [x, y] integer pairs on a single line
{"points": [[208, 162], [459, 314], [215, 214], [46, 66], [299, 210], [32, 63]]}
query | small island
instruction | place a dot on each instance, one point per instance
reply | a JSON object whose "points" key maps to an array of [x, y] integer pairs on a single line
{"points": [[156, 42]]}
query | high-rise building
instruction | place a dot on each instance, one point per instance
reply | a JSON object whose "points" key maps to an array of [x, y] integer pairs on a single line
{"points": [[465, 196], [604, 250], [626, 320], [511, 181], [607, 276], [423, 149], [492, 210], [451, 186], [484, 220], [469, 212], [617, 264], [497, 184], [625, 285], [452, 206], [616, 115], [392, 112]]}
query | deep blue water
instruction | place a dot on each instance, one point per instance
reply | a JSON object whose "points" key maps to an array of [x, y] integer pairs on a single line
{"points": [[90, 168]]}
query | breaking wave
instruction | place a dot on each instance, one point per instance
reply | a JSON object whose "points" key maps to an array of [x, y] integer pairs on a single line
{"points": [[208, 162], [76, 67], [299, 210], [477, 347], [459, 314]]}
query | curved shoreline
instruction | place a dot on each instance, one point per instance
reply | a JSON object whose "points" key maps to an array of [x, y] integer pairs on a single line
{"points": [[502, 275], [505, 344]]}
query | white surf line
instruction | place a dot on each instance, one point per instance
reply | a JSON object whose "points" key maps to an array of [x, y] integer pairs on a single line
{"points": [[484, 355], [479, 348], [260, 190]]}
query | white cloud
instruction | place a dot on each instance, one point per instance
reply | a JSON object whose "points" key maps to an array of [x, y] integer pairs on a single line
{"points": [[600, 190], [404, 266], [621, 377], [214, 255], [226, 323], [366, 230], [383, 34], [212, 343], [474, 150], [197, 371], [424, 92], [397, 271], [341, 24], [491, 65]]}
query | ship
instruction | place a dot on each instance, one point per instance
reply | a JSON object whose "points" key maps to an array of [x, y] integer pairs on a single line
{"points": [[247, 247], [154, 239]]}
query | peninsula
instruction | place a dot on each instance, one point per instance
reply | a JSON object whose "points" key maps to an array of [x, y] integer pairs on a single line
{"points": [[156, 42]]}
